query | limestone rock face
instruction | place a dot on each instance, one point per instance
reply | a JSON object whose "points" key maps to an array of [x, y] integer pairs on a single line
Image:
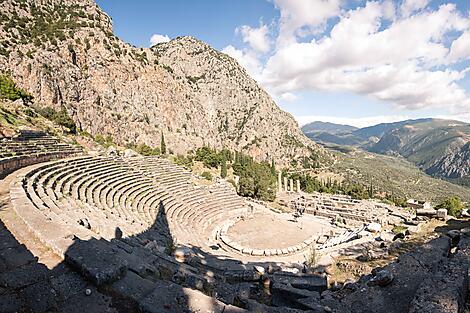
{"points": [[65, 54]]}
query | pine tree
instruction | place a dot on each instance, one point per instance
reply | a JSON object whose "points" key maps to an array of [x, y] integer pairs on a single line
{"points": [[223, 169], [162, 145]]}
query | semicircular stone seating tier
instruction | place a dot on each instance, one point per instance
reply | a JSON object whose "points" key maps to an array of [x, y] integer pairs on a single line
{"points": [[30, 147], [102, 193]]}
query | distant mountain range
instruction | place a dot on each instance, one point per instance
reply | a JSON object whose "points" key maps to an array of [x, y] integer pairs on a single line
{"points": [[439, 147]]}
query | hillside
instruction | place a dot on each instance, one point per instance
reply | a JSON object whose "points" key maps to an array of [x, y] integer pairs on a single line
{"points": [[438, 147], [327, 127], [66, 55], [396, 176]]}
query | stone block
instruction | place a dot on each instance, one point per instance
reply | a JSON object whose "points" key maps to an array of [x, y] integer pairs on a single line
{"points": [[96, 260], [169, 297], [316, 283], [131, 286], [442, 214], [24, 276]]}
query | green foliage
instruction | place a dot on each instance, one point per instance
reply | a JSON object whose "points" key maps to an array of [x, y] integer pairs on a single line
{"points": [[147, 150], [273, 168], [9, 90], [312, 258], [223, 169], [7, 117], [256, 179], [162, 145], [453, 205], [207, 175], [105, 142], [61, 118], [210, 157], [184, 161], [399, 230], [311, 184]]}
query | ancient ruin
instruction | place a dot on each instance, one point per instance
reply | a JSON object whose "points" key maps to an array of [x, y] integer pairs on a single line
{"points": [[140, 232]]}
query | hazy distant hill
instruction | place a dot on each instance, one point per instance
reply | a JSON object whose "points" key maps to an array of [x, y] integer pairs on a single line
{"points": [[331, 128], [439, 147]]}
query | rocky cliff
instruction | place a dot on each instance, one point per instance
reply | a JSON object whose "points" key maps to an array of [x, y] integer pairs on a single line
{"points": [[66, 55]]}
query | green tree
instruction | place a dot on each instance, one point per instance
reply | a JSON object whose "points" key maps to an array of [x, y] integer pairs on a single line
{"points": [[256, 179], [162, 145], [223, 169], [9, 90], [273, 168], [453, 205]]}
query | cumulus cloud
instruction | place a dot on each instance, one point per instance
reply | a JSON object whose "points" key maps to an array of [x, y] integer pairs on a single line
{"points": [[157, 38], [460, 48], [408, 7], [303, 17], [246, 59], [257, 38], [403, 53]]}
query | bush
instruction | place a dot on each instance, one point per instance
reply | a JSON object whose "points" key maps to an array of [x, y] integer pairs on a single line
{"points": [[209, 157], [207, 175], [453, 205], [105, 142], [9, 90], [143, 149], [184, 161], [256, 179], [61, 118]]}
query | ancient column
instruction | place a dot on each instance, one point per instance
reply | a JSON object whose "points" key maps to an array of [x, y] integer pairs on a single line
{"points": [[291, 183], [285, 184], [279, 181], [298, 185]]}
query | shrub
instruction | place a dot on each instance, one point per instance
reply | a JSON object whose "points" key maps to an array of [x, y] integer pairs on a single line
{"points": [[147, 150], [312, 258], [9, 90], [61, 118], [207, 175], [453, 205], [209, 157], [184, 161], [105, 142]]}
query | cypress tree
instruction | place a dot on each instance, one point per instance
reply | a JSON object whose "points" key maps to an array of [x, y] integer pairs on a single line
{"points": [[162, 145], [223, 169], [273, 168]]}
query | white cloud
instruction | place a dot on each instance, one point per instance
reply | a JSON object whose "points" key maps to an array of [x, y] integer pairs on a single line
{"points": [[396, 64], [157, 38], [460, 48], [303, 17], [289, 97], [399, 52], [257, 38], [246, 59], [410, 6]]}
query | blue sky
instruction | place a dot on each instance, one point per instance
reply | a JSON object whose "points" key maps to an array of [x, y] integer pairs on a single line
{"points": [[302, 53]]}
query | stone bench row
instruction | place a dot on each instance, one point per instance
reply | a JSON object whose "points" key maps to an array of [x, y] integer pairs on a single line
{"points": [[103, 186], [237, 247]]}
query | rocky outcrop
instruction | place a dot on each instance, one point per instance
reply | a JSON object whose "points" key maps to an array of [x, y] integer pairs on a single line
{"points": [[455, 164], [65, 54]]}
